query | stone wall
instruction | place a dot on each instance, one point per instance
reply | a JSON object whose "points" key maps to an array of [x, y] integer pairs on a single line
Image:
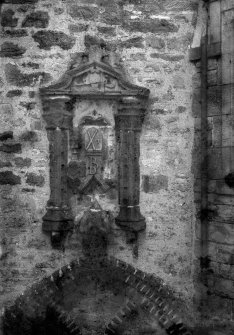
{"points": [[39, 39], [213, 120]]}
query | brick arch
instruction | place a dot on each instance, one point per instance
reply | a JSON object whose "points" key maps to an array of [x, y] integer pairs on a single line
{"points": [[124, 289]]}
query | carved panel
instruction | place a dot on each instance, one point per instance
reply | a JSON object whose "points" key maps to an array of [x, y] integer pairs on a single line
{"points": [[82, 154], [89, 146]]}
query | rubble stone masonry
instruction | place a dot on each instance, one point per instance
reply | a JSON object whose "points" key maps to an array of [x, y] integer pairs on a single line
{"points": [[39, 40]]}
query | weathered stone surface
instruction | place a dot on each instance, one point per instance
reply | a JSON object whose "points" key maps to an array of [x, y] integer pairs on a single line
{"points": [[152, 68], [14, 33], [221, 233], [37, 125], [27, 190], [152, 123], [58, 11], [82, 12], [112, 14], [153, 184], [10, 146], [5, 164], [138, 56], [77, 28], [34, 179], [110, 31], [31, 94], [151, 26], [180, 109], [155, 42], [28, 105], [181, 43], [7, 177], [30, 136], [31, 65], [6, 135], [7, 19], [9, 49], [21, 1], [135, 42], [22, 162], [93, 40], [14, 93], [180, 5], [224, 287], [48, 39], [15, 77], [167, 57], [39, 19], [178, 82], [160, 111]]}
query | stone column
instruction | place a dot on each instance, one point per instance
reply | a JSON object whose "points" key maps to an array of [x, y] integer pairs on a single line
{"points": [[57, 113], [128, 127]]}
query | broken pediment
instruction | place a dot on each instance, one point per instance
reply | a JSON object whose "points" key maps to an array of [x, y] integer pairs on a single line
{"points": [[94, 78]]}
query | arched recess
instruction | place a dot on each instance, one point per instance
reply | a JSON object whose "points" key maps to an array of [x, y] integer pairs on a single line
{"points": [[93, 81]]}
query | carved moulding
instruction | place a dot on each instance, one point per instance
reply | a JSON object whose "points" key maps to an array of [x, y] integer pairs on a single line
{"points": [[93, 81]]}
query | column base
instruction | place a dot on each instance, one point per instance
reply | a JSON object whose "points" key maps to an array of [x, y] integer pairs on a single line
{"points": [[130, 219], [57, 219]]}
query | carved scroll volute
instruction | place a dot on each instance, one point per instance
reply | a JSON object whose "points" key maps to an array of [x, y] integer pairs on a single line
{"points": [[57, 112], [129, 121]]}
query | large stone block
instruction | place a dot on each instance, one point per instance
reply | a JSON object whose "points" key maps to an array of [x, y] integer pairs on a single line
{"points": [[39, 19], [14, 93], [220, 307], [77, 28], [110, 31], [29, 136], [214, 100], [167, 57], [10, 146], [7, 19], [135, 42], [15, 33], [48, 39], [21, 1], [4, 164], [15, 77], [155, 42], [8, 177], [22, 162], [224, 287], [150, 26], [153, 184], [9, 49], [181, 5], [34, 179], [6, 135], [82, 12], [221, 233], [181, 43]]}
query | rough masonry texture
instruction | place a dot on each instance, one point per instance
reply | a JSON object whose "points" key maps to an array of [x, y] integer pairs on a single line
{"points": [[40, 41]]}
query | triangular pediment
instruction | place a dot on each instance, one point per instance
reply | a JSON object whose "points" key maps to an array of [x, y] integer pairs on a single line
{"points": [[94, 78]]}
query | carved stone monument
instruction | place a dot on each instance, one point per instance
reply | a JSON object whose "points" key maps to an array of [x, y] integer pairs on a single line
{"points": [[93, 118]]}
